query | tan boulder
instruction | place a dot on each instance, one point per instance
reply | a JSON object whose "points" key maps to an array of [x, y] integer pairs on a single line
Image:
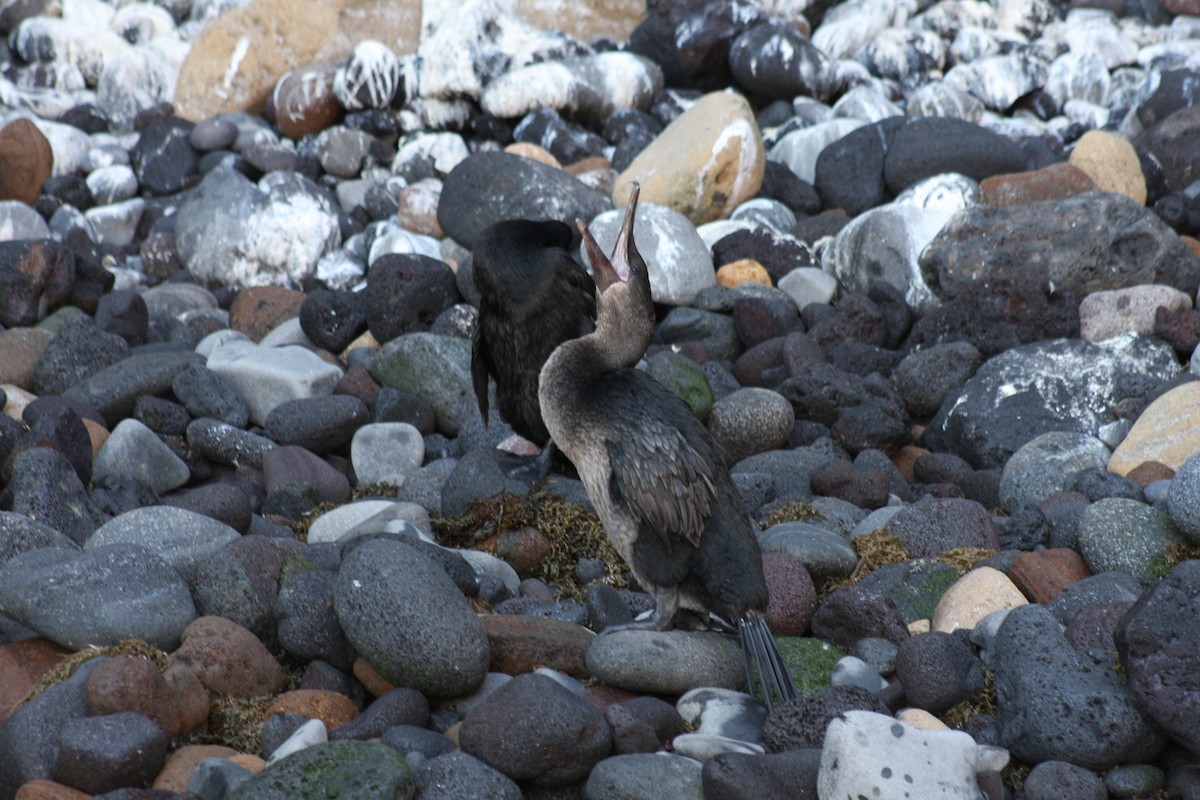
{"points": [[237, 58], [704, 164], [1167, 432], [1111, 162], [972, 597]]}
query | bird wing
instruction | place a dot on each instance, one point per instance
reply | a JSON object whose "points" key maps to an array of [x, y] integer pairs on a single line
{"points": [[661, 478], [479, 372]]}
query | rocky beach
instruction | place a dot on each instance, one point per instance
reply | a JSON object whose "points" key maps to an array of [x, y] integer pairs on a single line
{"points": [[927, 271]]}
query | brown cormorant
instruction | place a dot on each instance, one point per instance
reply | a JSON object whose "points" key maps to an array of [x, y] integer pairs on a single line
{"points": [[533, 297], [656, 477]]}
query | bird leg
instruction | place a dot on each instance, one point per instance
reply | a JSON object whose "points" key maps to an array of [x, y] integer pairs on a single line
{"points": [[765, 668]]}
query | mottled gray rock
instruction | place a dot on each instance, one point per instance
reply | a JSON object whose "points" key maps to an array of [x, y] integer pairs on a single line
{"points": [[1127, 535], [1048, 464], [45, 486], [1183, 498], [133, 450], [1101, 240], [645, 775], [1054, 385], [436, 369], [632, 659], [1055, 703], [114, 389], [885, 243], [349, 768], [233, 232], [457, 775], [181, 538], [926, 377], [99, 754], [564, 739], [409, 621], [822, 552], [98, 597], [225, 444], [750, 421], [1161, 654], [269, 376], [19, 533], [386, 452]]}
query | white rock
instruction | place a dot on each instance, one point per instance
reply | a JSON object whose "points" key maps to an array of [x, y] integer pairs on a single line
{"points": [[799, 149], [308, 734], [873, 755], [809, 285], [680, 264], [335, 523], [268, 376]]}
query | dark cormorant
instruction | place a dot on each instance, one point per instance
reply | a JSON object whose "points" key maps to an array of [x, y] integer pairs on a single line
{"points": [[533, 297], [654, 474]]}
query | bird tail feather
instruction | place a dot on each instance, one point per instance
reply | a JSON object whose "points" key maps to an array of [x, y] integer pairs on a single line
{"points": [[767, 675]]}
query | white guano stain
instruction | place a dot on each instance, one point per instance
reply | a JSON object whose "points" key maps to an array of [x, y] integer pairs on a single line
{"points": [[739, 134], [235, 61]]}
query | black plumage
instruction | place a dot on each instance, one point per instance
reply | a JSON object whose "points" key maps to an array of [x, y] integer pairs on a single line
{"points": [[658, 480], [533, 297]]}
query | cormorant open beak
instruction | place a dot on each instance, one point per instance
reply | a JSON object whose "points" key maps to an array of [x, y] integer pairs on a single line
{"points": [[620, 268]]}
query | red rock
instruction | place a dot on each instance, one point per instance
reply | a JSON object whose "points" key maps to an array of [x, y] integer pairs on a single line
{"points": [[228, 659], [523, 643], [357, 382], [374, 683], [257, 310], [524, 549], [1050, 183], [304, 102], [39, 276], [793, 598], [26, 161], [193, 700], [22, 664], [1148, 472], [1043, 574], [178, 770], [132, 683], [332, 708], [49, 790]]}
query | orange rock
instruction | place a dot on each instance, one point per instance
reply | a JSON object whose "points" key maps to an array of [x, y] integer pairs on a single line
{"points": [[252, 763], [524, 549], [257, 310], [1148, 472], [1041, 575], [182, 763], [332, 708], [97, 434], [22, 664], [132, 683], [520, 643], [191, 697], [26, 161], [417, 208], [1192, 243], [905, 458], [49, 790], [375, 683], [589, 164], [533, 151], [744, 270], [1050, 183]]}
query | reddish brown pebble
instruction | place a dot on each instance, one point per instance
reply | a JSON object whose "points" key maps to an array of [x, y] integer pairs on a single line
{"points": [[193, 699], [1043, 574], [1050, 183], [182, 763], [304, 102], [1148, 472], [332, 708], [793, 598], [26, 161], [375, 683], [22, 664], [228, 659], [257, 310], [132, 683], [48, 790], [523, 643], [524, 549]]}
